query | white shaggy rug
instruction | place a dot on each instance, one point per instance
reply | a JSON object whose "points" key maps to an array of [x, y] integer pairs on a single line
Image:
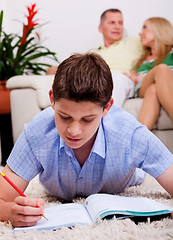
{"points": [[113, 229]]}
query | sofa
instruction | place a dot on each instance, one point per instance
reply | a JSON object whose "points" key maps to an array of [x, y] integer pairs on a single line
{"points": [[29, 96]]}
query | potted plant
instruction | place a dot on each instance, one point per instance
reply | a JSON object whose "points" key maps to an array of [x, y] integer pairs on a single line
{"points": [[18, 53]]}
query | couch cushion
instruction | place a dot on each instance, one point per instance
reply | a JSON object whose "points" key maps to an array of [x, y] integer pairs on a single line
{"points": [[42, 85], [133, 106]]}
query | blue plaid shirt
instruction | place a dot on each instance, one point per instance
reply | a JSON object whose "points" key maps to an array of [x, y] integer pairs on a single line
{"points": [[122, 145]]}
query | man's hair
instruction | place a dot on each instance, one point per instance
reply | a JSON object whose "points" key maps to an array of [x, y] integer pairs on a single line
{"points": [[83, 77], [113, 10], [163, 40]]}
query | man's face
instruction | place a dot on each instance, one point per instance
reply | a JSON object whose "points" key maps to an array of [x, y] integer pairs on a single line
{"points": [[77, 122], [112, 28]]}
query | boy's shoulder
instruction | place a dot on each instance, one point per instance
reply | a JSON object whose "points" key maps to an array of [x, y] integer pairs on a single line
{"points": [[45, 115], [117, 114], [119, 123], [42, 126]]}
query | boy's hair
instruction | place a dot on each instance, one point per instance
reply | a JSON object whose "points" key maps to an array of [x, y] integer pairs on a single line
{"points": [[83, 77], [113, 10]]}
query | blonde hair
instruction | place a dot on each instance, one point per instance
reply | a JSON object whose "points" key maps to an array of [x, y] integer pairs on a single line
{"points": [[163, 43]]}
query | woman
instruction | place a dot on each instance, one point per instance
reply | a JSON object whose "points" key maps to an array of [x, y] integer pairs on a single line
{"points": [[154, 77]]}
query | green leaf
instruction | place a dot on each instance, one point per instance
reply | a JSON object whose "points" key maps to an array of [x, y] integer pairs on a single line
{"points": [[1, 19], [17, 58]]}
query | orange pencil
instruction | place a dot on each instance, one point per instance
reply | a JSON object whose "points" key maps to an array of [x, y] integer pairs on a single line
{"points": [[16, 188]]}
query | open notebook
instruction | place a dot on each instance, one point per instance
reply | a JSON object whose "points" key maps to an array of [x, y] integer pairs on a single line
{"points": [[98, 206]]}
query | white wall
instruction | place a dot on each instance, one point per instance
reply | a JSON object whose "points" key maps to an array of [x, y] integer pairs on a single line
{"points": [[73, 24]]}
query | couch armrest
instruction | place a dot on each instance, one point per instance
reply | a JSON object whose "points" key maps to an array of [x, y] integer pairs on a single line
{"points": [[41, 84], [29, 95], [24, 107]]}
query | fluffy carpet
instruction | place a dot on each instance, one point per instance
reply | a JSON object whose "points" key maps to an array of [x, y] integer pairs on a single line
{"points": [[113, 229]]}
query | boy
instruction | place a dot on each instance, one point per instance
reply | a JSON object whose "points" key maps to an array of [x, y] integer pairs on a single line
{"points": [[82, 145]]}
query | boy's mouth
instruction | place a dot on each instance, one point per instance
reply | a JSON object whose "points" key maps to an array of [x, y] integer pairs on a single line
{"points": [[73, 139]]}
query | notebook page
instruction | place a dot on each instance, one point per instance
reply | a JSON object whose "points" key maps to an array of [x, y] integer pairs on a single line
{"points": [[61, 215], [100, 203]]}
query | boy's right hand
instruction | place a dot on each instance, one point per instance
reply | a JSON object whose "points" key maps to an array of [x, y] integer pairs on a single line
{"points": [[26, 212]]}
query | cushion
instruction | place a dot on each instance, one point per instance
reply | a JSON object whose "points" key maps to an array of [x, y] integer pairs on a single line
{"points": [[133, 106]]}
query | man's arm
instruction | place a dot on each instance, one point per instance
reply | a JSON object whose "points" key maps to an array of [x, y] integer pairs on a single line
{"points": [[20, 211], [166, 180]]}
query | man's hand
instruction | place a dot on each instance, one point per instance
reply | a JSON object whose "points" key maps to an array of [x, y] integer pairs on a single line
{"points": [[26, 211]]}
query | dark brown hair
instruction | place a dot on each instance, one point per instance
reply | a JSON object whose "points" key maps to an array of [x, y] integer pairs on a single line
{"points": [[84, 77], [103, 16]]}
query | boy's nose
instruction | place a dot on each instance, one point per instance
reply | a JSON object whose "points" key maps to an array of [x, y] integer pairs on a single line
{"points": [[74, 129]]}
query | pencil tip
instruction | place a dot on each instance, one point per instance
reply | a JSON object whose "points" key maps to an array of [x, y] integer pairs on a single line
{"points": [[44, 217]]}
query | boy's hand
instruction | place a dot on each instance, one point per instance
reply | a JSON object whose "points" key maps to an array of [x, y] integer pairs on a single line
{"points": [[26, 211], [172, 214]]}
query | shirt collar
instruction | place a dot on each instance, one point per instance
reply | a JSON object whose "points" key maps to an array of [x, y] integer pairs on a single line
{"points": [[113, 44], [99, 144], [98, 147], [67, 149]]}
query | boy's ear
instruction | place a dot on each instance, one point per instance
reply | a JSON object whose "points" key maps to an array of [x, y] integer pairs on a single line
{"points": [[108, 106], [51, 97]]}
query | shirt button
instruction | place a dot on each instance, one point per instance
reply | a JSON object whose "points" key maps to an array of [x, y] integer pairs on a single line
{"points": [[80, 193], [81, 178]]}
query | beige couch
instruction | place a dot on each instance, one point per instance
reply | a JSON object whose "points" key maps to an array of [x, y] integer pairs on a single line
{"points": [[29, 96]]}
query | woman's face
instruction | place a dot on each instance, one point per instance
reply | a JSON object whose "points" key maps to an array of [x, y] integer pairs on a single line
{"points": [[147, 35]]}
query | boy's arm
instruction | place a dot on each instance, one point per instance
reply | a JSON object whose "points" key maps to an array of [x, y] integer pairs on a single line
{"points": [[20, 211], [166, 179]]}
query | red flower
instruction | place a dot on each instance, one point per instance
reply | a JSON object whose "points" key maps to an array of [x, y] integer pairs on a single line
{"points": [[31, 23]]}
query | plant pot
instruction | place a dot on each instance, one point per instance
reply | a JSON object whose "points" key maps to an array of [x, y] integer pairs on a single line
{"points": [[4, 98]]}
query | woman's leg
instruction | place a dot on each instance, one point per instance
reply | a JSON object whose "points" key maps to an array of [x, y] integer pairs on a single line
{"points": [[164, 88], [162, 77], [150, 108]]}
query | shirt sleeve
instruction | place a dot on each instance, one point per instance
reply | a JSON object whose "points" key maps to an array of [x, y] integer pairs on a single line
{"points": [[136, 46], [23, 160], [149, 152]]}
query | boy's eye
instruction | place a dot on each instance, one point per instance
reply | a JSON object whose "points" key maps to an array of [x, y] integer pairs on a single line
{"points": [[65, 118], [87, 120]]}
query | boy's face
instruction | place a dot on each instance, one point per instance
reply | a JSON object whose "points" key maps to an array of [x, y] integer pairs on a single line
{"points": [[77, 122]]}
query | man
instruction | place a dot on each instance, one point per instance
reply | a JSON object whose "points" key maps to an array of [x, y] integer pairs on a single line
{"points": [[120, 53]]}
